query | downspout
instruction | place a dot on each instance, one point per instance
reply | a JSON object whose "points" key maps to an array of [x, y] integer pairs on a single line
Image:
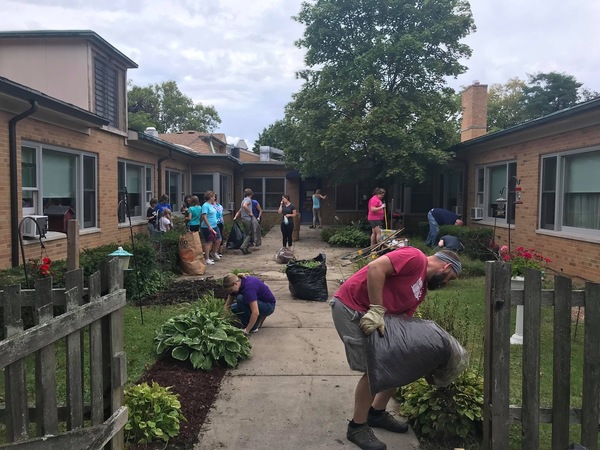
{"points": [[160, 161], [14, 191]]}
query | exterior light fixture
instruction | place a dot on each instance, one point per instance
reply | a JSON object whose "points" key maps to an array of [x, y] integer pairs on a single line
{"points": [[123, 255]]}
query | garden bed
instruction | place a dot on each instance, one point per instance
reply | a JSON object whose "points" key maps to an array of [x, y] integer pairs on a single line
{"points": [[197, 389]]}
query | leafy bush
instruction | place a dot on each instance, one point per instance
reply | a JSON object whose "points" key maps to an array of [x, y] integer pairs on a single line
{"points": [[444, 413], [204, 336], [327, 232], [350, 236], [142, 282], [477, 240], [154, 413]]}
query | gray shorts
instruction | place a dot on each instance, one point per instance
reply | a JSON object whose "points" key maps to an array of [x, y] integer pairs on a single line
{"points": [[346, 323]]}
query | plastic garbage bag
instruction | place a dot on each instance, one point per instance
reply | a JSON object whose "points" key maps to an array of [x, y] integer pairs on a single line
{"points": [[236, 237], [412, 348], [307, 278]]}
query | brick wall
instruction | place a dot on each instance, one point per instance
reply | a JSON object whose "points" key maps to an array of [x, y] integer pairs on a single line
{"points": [[573, 256]]}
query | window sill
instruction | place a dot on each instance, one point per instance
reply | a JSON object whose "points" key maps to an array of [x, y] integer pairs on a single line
{"points": [[56, 236], [491, 223], [135, 221], [589, 238]]}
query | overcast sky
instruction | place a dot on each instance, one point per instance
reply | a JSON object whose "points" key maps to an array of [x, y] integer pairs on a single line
{"points": [[239, 55]]}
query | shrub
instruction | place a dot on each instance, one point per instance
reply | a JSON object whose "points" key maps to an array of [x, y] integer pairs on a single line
{"points": [[350, 236], [327, 232], [204, 336], [154, 413], [444, 413], [477, 240]]}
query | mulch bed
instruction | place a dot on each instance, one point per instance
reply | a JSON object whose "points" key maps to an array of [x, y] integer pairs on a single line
{"points": [[197, 389]]}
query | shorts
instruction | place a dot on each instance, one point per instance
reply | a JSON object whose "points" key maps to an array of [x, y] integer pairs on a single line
{"points": [[376, 223], [346, 323], [209, 236]]}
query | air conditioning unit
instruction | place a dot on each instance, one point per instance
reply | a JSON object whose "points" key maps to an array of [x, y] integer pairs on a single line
{"points": [[476, 213], [231, 206], [457, 210], [30, 230]]}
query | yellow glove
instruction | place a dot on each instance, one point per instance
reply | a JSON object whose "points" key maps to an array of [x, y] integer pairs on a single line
{"points": [[373, 320]]}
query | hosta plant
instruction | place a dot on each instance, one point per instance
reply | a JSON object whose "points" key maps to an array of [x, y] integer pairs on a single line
{"points": [[204, 336], [154, 413], [444, 413]]}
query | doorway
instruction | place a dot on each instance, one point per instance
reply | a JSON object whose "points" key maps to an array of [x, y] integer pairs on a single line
{"points": [[307, 189]]}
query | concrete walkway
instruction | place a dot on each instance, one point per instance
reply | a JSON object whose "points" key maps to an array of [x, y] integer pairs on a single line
{"points": [[296, 391]]}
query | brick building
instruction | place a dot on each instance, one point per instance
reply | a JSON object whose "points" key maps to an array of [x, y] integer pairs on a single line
{"points": [[554, 161]]}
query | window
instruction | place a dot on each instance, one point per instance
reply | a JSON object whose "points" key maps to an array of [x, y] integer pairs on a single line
{"points": [[570, 192], [106, 91], [59, 177], [135, 178], [493, 182], [225, 193], [175, 188], [200, 184], [267, 191]]}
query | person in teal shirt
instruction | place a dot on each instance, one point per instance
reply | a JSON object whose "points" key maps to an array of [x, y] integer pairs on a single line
{"points": [[316, 208], [194, 212], [210, 229]]}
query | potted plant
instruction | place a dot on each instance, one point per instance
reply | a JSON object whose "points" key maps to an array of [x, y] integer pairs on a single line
{"points": [[523, 258]]}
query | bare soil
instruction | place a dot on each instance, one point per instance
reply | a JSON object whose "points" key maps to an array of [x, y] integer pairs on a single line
{"points": [[197, 390]]}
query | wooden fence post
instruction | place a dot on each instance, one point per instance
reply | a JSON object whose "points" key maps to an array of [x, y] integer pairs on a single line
{"points": [[72, 245], [591, 368]]}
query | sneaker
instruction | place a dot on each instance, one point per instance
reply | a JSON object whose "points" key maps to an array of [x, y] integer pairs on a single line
{"points": [[364, 437], [311, 227], [387, 422], [215, 257], [245, 251], [209, 261], [220, 255], [254, 330]]}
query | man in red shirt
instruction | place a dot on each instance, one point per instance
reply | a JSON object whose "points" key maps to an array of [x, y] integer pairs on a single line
{"points": [[395, 283]]}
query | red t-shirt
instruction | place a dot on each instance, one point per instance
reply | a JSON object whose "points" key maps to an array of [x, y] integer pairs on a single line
{"points": [[403, 291], [377, 215]]}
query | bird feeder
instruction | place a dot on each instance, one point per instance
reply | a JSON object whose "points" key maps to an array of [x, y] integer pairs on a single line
{"points": [[501, 202], [123, 255], [518, 191]]}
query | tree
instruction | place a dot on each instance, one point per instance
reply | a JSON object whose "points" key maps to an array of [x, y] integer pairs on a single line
{"points": [[374, 103], [506, 105], [516, 102], [166, 108], [275, 135], [550, 92]]}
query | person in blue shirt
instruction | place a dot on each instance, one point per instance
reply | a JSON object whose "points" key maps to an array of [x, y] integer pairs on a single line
{"points": [[437, 217], [194, 213], [316, 208], [210, 229], [250, 298]]}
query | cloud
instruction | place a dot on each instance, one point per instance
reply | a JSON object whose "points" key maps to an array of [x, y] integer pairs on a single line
{"points": [[240, 57]]}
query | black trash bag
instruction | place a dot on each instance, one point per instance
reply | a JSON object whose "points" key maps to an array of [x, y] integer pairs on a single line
{"points": [[308, 283], [236, 237], [412, 348]]}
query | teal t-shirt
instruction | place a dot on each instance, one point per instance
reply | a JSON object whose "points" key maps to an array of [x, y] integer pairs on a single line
{"points": [[194, 212], [211, 215]]}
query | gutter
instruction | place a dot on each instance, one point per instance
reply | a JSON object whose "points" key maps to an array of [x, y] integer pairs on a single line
{"points": [[14, 192]]}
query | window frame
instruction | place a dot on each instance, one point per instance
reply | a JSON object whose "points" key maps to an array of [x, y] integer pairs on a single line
{"points": [[262, 195], [558, 204], [145, 193], [483, 192], [80, 186]]}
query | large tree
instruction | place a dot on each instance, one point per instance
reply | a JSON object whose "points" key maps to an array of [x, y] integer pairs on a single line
{"points": [[374, 103], [518, 101], [166, 108]]}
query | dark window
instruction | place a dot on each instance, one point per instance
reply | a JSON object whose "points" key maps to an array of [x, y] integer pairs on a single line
{"points": [[106, 91]]}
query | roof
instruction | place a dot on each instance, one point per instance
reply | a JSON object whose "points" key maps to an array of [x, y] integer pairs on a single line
{"points": [[70, 34], [197, 141], [550, 119], [16, 98]]}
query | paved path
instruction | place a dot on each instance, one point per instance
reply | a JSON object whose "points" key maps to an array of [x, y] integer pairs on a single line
{"points": [[296, 391]]}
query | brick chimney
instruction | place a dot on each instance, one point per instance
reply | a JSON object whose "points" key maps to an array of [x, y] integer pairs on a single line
{"points": [[474, 109]]}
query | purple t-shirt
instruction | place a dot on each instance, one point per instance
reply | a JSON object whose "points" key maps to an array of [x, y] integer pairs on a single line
{"points": [[253, 289]]}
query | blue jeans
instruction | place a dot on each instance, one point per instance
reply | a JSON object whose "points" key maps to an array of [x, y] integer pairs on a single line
{"points": [[434, 229], [242, 310]]}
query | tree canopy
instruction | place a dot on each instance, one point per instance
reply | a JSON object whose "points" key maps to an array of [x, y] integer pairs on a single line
{"points": [[374, 103], [518, 101], [166, 108]]}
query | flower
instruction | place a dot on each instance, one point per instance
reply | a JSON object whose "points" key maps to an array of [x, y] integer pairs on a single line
{"points": [[523, 258], [40, 269]]}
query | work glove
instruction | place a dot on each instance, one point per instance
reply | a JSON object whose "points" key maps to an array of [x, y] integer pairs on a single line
{"points": [[373, 320]]}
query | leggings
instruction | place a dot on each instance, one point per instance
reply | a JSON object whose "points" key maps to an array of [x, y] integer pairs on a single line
{"points": [[286, 231]]}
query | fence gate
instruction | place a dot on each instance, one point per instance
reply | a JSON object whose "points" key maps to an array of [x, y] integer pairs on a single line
{"points": [[90, 413], [497, 413]]}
